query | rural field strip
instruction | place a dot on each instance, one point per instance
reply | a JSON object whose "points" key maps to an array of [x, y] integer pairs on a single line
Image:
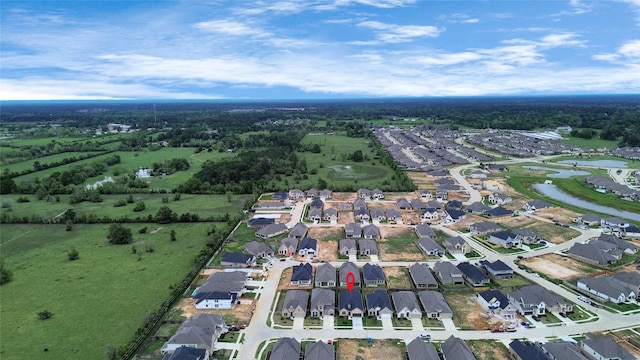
{"points": [[15, 238]]}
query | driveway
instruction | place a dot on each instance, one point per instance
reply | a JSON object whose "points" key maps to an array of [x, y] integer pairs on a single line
{"points": [[374, 258], [328, 322], [357, 323], [298, 323], [417, 324], [387, 324], [448, 324], [460, 257]]}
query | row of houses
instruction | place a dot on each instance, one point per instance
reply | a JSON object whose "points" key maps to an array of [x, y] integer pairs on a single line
{"points": [[529, 300], [606, 184], [617, 288], [297, 194], [591, 347], [378, 303], [604, 251], [287, 348]]}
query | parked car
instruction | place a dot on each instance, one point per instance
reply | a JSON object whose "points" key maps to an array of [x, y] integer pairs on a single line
{"points": [[563, 315], [520, 257], [535, 317], [542, 242], [425, 336], [511, 330], [497, 330]]}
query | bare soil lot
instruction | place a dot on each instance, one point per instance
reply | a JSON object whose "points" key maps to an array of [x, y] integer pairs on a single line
{"points": [[466, 311], [558, 267], [422, 181], [346, 217], [398, 195], [488, 349], [559, 214], [326, 232], [240, 314], [328, 250], [350, 196], [397, 277], [352, 349], [397, 231]]}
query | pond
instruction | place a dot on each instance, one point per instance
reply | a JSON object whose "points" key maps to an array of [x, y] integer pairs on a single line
{"points": [[559, 173], [598, 163], [552, 191]]}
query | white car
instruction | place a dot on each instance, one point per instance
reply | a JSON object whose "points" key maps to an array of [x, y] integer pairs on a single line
{"points": [[425, 336]]}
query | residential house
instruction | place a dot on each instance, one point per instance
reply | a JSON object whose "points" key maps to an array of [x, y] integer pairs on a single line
{"points": [[377, 194], [378, 304], [441, 194], [425, 194], [345, 206], [367, 247], [606, 288], [312, 193], [319, 350], [497, 269], [457, 245], [316, 204], [325, 275], [347, 247], [451, 216], [434, 304], [345, 269], [424, 231], [364, 194], [478, 174], [472, 274], [477, 208], [187, 353], [201, 332], [406, 305], [295, 304], [535, 205], [526, 350], [592, 254], [494, 302], [298, 231], [403, 204], [224, 282], [331, 215], [259, 222], [308, 246], [563, 350], [429, 215], [372, 275], [631, 232], [288, 246], [499, 198], [370, 232], [492, 185], [237, 259], [302, 274], [286, 349], [280, 195], [417, 204], [350, 303], [271, 231], [604, 348], [456, 349], [484, 228], [629, 279], [506, 239], [259, 250], [378, 215], [323, 302], [430, 247], [362, 215], [537, 300], [214, 300], [418, 349], [314, 215], [498, 211], [422, 277], [447, 273], [454, 204], [589, 219], [394, 216], [527, 236], [325, 194], [623, 245], [434, 204], [296, 194], [352, 230], [613, 224]]}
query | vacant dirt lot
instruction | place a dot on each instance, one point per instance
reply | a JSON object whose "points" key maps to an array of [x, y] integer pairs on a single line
{"points": [[516, 222], [325, 232], [384, 205], [351, 196], [422, 181], [560, 214], [239, 314], [466, 311], [397, 277], [553, 233], [488, 349], [398, 195], [397, 231], [328, 250], [349, 349], [346, 217], [556, 266]]}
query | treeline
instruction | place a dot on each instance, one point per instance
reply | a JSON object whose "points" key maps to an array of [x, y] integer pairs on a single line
{"points": [[37, 165]]}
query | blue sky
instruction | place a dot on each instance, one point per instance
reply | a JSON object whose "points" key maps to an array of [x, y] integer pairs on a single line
{"points": [[246, 49]]}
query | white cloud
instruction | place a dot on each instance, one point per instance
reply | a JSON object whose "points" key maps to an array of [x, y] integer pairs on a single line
{"points": [[391, 33], [459, 18], [229, 27], [627, 54]]}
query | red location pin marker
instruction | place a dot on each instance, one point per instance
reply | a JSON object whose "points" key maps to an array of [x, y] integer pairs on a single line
{"points": [[351, 279]]}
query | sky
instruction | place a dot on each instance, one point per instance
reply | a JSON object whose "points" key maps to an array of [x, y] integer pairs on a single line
{"points": [[319, 49]]}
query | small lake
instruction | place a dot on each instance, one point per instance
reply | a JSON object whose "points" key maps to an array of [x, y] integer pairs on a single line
{"points": [[559, 173], [598, 163], [552, 191]]}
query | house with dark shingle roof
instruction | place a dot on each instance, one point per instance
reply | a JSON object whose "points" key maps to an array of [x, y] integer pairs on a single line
{"points": [[295, 304], [589, 219], [394, 216], [623, 245], [325, 194], [477, 208], [506, 239], [286, 349], [417, 204], [316, 204], [457, 245], [429, 215], [364, 194], [448, 273], [419, 349], [527, 236], [372, 275], [330, 214], [280, 195], [456, 349], [403, 204], [296, 194], [302, 274], [325, 275], [347, 247], [563, 350], [495, 302], [535, 205], [537, 300], [499, 199], [425, 194], [259, 250], [350, 303], [451, 216], [497, 269], [454, 204], [298, 231], [484, 228], [201, 331], [434, 304], [378, 304], [359, 204], [312, 193], [319, 351], [370, 232], [288, 246], [271, 231], [472, 274], [592, 254], [607, 289], [323, 302], [352, 230], [258, 222], [526, 350], [422, 277], [498, 211], [314, 215], [346, 268], [362, 215], [367, 247], [424, 231], [187, 353], [430, 247], [237, 259], [308, 246], [604, 347]]}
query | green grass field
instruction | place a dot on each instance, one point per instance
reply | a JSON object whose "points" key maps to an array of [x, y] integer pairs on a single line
{"points": [[594, 143], [97, 301], [28, 164]]}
